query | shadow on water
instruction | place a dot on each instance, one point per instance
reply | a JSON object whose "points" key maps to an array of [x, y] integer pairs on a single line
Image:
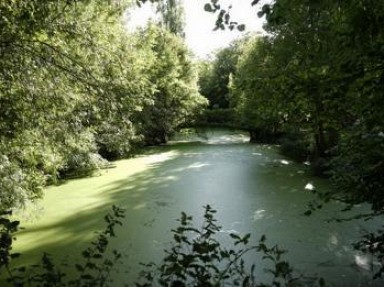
{"points": [[253, 188]]}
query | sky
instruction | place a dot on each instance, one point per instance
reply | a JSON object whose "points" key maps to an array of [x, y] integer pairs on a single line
{"points": [[199, 34]]}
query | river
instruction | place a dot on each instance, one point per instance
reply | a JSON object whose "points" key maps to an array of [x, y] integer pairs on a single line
{"points": [[253, 188]]}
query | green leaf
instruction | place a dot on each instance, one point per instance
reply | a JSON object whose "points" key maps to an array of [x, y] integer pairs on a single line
{"points": [[241, 27], [208, 7], [234, 236]]}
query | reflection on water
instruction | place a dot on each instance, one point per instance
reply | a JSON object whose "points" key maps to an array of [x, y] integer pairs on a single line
{"points": [[258, 214], [253, 188]]}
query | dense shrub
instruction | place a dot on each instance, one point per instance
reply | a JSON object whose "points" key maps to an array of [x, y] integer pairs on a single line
{"points": [[18, 185]]}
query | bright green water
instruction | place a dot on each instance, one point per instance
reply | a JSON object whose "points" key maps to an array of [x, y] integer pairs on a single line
{"points": [[253, 188]]}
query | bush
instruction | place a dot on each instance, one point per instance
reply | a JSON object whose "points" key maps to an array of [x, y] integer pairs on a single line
{"points": [[80, 155], [358, 167], [18, 185]]}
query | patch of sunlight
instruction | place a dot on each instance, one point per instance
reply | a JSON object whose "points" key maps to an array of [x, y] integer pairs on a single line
{"points": [[91, 195], [229, 231], [198, 165], [195, 165], [257, 153], [161, 180], [239, 138], [48, 235], [307, 163], [161, 157], [333, 240], [192, 153], [169, 178], [30, 212], [285, 162], [363, 261], [309, 186], [258, 214], [140, 206]]}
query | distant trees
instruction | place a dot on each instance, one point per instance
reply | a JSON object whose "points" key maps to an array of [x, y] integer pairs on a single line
{"points": [[75, 88], [215, 75], [175, 97]]}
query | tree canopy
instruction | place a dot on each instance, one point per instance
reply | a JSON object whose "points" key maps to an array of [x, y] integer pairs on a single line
{"points": [[76, 89], [316, 79], [319, 73]]}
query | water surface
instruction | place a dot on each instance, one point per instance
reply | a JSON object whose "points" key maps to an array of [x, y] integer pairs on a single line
{"points": [[253, 188]]}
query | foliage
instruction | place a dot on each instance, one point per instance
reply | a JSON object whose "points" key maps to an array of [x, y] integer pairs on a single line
{"points": [[49, 74], [222, 117], [7, 229], [223, 16], [76, 89], [74, 85], [18, 185], [175, 98], [373, 244], [295, 146], [215, 75], [197, 258], [172, 12], [326, 62], [255, 94], [319, 73]]}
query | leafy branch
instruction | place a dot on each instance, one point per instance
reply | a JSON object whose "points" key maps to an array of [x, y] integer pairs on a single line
{"points": [[197, 258]]}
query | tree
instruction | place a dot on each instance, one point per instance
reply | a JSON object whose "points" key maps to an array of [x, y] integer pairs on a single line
{"points": [[257, 91], [172, 16], [75, 87], [44, 80], [175, 97], [215, 75], [329, 76], [340, 75]]}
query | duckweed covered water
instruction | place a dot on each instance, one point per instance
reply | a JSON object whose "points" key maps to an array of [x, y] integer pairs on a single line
{"points": [[253, 188]]}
